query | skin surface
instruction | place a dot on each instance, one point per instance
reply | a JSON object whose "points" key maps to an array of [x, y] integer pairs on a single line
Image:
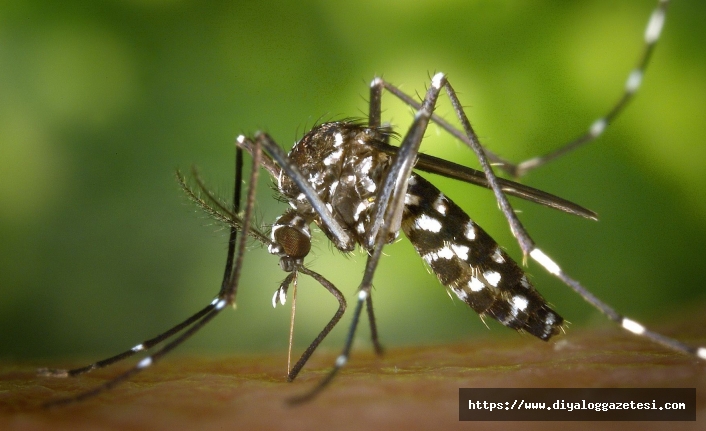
{"points": [[409, 388]]}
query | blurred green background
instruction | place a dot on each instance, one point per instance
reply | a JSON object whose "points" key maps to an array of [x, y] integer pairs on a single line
{"points": [[101, 101]]}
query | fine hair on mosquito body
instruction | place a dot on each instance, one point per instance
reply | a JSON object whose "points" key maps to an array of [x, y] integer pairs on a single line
{"points": [[346, 178]]}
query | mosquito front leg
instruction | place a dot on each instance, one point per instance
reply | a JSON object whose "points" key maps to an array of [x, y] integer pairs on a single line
{"points": [[191, 325]]}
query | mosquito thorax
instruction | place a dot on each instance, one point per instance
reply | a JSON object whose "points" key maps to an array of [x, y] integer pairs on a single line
{"points": [[340, 162]]}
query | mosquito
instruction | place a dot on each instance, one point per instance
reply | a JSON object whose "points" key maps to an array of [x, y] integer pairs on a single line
{"points": [[346, 178]]}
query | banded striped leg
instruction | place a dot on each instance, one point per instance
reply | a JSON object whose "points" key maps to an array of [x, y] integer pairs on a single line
{"points": [[191, 325], [529, 248], [653, 31], [390, 204], [217, 210], [525, 241], [596, 129]]}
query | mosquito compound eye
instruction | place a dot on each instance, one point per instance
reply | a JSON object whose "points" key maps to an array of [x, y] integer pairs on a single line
{"points": [[295, 242]]}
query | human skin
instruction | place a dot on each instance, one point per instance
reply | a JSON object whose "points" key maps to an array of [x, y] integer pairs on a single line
{"points": [[408, 388]]}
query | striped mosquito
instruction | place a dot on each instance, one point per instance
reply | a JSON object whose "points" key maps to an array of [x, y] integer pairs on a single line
{"points": [[346, 178]]}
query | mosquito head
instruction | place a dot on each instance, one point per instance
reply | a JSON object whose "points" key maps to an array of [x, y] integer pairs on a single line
{"points": [[291, 240]]}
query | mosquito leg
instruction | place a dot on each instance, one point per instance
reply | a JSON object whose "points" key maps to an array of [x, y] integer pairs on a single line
{"points": [[340, 361], [518, 231], [375, 109], [379, 350], [145, 345], [626, 323], [199, 320], [334, 320], [374, 114], [230, 288], [144, 363], [344, 241], [232, 238], [529, 248], [390, 200], [395, 182], [632, 84]]}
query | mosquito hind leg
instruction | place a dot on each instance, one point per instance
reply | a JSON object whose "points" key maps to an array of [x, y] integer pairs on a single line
{"points": [[653, 30]]}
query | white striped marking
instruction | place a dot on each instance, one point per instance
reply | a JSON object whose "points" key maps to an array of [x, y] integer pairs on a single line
{"points": [[335, 156], [470, 232], [654, 27], [492, 277], [362, 295], [461, 251], [366, 164], [145, 362], [138, 348], [316, 179], [424, 222], [548, 324], [411, 200], [362, 206], [436, 80], [634, 81], [476, 285], [370, 185], [633, 326], [498, 256], [519, 303], [545, 261], [442, 253], [701, 353], [360, 228], [597, 127], [332, 188], [440, 204]]}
